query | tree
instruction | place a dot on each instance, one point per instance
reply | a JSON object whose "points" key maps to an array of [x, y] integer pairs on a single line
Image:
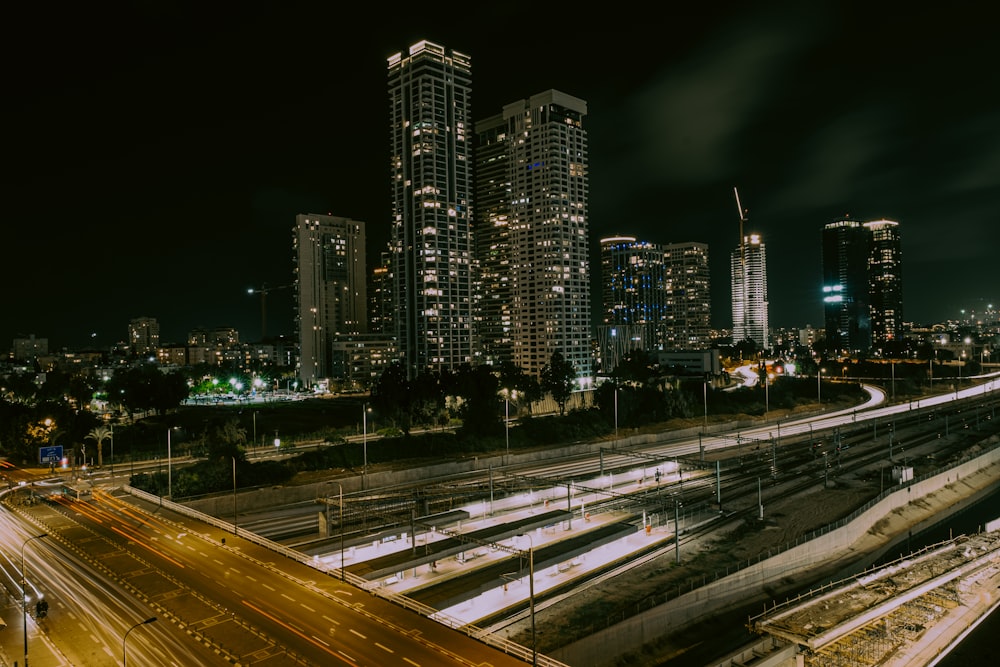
{"points": [[558, 379], [98, 435]]}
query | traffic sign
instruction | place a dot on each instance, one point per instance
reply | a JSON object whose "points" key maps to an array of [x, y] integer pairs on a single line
{"points": [[50, 454]]}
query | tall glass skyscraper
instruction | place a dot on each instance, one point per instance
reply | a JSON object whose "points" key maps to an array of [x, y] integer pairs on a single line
{"points": [[862, 285], [655, 297], [431, 184]]}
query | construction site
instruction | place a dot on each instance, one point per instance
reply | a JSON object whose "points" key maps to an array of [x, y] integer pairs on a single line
{"points": [[906, 612]]}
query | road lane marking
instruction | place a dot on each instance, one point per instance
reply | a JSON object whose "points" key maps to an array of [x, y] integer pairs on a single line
{"points": [[384, 648], [355, 632], [415, 664]]}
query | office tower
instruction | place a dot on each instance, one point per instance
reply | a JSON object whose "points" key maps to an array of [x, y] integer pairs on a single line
{"points": [[633, 298], [431, 185], [655, 297], [748, 264], [885, 282], [533, 184], [845, 286], [331, 290], [143, 335]]}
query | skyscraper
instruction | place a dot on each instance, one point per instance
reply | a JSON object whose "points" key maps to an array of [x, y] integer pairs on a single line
{"points": [[654, 297], [885, 282], [431, 184], [845, 286], [331, 288], [533, 187], [748, 264]]}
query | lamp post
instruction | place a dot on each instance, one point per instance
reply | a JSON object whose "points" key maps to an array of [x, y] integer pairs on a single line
{"points": [[170, 478], [531, 596], [146, 622], [506, 422], [235, 529], [24, 595], [364, 468], [767, 396], [343, 576], [819, 389]]}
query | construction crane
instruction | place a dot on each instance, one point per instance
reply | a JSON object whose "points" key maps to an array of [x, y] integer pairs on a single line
{"points": [[264, 290], [743, 260]]}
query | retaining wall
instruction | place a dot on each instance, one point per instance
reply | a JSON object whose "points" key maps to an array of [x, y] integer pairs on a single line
{"points": [[979, 477]]}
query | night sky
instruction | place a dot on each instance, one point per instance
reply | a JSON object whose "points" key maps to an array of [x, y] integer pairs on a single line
{"points": [[156, 154]]}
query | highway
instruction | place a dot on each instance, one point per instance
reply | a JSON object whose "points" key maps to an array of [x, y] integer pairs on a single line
{"points": [[236, 602]]}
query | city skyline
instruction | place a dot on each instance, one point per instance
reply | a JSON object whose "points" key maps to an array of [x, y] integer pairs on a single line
{"points": [[158, 170]]}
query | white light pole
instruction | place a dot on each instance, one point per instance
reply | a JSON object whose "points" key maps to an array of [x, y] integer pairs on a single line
{"points": [[819, 389], [364, 468], [616, 413], [506, 423], [531, 595], [170, 479], [24, 595], [343, 576], [146, 622], [767, 396], [235, 529]]}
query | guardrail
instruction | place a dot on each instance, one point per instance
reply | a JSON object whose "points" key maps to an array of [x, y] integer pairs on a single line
{"points": [[477, 633]]}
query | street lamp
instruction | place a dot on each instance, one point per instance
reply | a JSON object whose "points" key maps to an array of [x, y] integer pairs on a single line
{"points": [[819, 390], [146, 622], [24, 595], [531, 595], [170, 478], [343, 576], [364, 418], [235, 529]]}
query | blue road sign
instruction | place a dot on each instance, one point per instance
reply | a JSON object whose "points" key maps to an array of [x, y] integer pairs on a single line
{"points": [[50, 454]]}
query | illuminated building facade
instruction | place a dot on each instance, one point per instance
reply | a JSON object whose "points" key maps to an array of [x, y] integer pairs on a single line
{"points": [[143, 335], [431, 186], [654, 297], [885, 282], [748, 271], [331, 292], [862, 285], [533, 190]]}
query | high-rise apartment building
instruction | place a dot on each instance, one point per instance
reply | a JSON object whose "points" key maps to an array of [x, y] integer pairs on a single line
{"points": [[143, 335], [533, 187], [885, 282], [862, 285], [689, 304], [431, 184], [654, 297], [331, 289], [748, 264], [494, 253]]}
